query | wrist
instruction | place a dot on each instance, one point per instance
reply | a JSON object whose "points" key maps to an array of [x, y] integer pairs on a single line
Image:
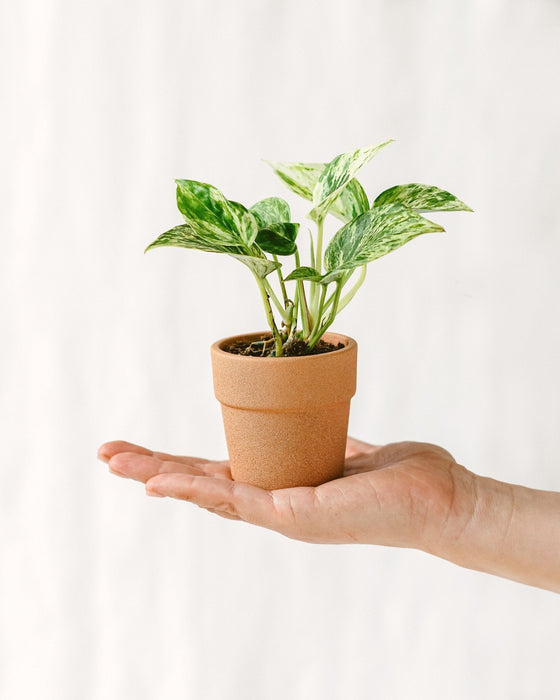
{"points": [[512, 531]]}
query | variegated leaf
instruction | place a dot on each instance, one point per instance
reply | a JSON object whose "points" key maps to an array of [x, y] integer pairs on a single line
{"points": [[279, 239], [305, 273], [204, 205], [332, 276], [259, 266], [272, 210], [302, 178], [350, 203], [185, 236], [245, 222], [338, 173], [310, 274], [374, 234], [421, 198]]}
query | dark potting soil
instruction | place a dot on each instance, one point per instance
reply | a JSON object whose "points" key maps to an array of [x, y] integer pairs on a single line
{"points": [[262, 348]]}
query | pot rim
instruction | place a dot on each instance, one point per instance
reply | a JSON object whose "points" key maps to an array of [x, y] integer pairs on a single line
{"points": [[217, 347]]}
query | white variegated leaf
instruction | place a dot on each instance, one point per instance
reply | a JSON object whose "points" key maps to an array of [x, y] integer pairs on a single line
{"points": [[338, 173], [272, 210], [302, 178], [259, 266], [421, 198], [305, 273], [245, 222], [374, 234], [278, 239], [187, 236], [204, 206]]}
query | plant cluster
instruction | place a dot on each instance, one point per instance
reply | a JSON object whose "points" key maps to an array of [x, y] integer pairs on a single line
{"points": [[307, 300]]}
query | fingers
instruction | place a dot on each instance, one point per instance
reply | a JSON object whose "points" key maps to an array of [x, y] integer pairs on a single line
{"points": [[231, 499], [141, 466], [110, 449]]}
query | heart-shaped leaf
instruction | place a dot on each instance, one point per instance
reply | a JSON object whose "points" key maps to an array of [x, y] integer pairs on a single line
{"points": [[421, 198], [186, 236], [279, 239], [374, 234], [338, 173], [350, 203], [310, 274], [259, 266], [273, 210], [224, 220], [246, 223], [305, 273], [302, 178]]}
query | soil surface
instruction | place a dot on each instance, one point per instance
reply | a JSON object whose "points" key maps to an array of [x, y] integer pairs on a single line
{"points": [[262, 348]]}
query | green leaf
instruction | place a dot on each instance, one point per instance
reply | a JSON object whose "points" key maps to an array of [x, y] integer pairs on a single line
{"points": [[350, 203], [310, 274], [305, 273], [338, 173], [332, 276], [302, 178], [259, 266], [421, 198], [272, 210], [374, 234], [204, 206], [246, 223], [279, 239], [186, 236]]}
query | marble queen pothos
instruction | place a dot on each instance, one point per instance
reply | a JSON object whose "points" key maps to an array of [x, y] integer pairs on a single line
{"points": [[263, 237]]}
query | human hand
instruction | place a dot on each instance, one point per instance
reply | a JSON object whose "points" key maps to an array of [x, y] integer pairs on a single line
{"points": [[404, 494]]}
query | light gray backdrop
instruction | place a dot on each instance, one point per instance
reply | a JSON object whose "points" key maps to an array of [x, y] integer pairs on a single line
{"points": [[108, 595]]}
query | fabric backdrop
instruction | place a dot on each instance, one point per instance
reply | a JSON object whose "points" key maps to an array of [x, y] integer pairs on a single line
{"points": [[106, 594]]}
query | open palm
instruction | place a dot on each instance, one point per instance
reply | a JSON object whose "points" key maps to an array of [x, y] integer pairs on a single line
{"points": [[402, 494]]}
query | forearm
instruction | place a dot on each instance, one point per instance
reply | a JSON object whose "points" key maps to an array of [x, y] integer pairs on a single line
{"points": [[514, 532]]}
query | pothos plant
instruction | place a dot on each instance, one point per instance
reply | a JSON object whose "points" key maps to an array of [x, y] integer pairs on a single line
{"points": [[307, 300]]}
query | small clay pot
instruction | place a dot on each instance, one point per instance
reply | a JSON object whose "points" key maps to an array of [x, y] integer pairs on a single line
{"points": [[285, 418]]}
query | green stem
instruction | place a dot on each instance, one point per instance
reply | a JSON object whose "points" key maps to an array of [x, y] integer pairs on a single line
{"points": [[270, 316], [305, 315], [277, 303], [319, 247], [281, 280], [347, 298], [317, 254], [321, 328]]}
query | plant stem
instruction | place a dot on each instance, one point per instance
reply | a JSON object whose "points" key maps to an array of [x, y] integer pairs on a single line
{"points": [[270, 316], [277, 303], [305, 315], [347, 298], [281, 279], [317, 254], [319, 247], [321, 328]]}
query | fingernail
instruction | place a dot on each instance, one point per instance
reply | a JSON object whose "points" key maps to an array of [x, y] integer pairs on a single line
{"points": [[154, 494], [116, 472]]}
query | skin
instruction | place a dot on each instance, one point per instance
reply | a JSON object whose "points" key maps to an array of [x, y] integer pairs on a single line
{"points": [[406, 494]]}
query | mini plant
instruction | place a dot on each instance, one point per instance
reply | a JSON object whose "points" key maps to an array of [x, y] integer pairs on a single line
{"points": [[263, 237]]}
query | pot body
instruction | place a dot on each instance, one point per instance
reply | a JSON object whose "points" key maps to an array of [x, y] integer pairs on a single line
{"points": [[285, 418]]}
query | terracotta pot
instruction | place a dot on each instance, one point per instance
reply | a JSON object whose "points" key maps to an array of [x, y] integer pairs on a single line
{"points": [[285, 418]]}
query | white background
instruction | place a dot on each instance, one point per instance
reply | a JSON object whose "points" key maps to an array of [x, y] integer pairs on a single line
{"points": [[106, 594]]}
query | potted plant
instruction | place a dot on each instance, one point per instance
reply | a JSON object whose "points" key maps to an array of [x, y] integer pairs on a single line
{"points": [[285, 393]]}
